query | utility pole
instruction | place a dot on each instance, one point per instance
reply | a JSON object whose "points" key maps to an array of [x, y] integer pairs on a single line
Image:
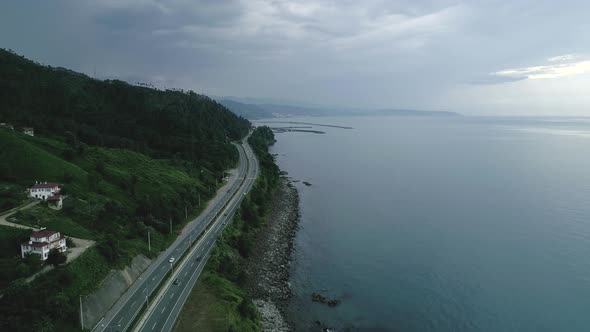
{"points": [[81, 314], [149, 242]]}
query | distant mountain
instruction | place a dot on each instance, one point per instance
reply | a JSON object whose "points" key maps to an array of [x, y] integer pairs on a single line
{"points": [[401, 112], [248, 111], [272, 110]]}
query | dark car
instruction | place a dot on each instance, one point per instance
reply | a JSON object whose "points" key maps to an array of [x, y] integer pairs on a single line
{"points": [[199, 259], [176, 282]]}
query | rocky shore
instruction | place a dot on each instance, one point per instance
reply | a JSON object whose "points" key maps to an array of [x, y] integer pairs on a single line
{"points": [[267, 269]]}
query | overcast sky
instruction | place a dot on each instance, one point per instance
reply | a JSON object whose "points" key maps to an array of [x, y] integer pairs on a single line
{"points": [[475, 57]]}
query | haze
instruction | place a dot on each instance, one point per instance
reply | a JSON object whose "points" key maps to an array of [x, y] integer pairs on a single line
{"points": [[477, 58]]}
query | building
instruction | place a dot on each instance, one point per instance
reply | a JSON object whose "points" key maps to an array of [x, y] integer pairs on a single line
{"points": [[29, 131], [42, 242], [44, 190], [55, 202]]}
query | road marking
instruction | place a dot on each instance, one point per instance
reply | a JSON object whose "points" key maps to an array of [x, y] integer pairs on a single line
{"points": [[171, 296], [163, 309], [185, 273], [153, 327], [119, 322], [133, 304], [154, 278], [192, 264]]}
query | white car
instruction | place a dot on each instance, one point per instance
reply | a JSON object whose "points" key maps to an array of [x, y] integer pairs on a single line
{"points": [[171, 260]]}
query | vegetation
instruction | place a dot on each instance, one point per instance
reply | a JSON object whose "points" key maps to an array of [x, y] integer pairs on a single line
{"points": [[130, 160], [223, 277], [56, 257]]}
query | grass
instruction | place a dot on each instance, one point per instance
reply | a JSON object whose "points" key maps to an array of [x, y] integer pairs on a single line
{"points": [[42, 216], [29, 162], [212, 306], [10, 239]]}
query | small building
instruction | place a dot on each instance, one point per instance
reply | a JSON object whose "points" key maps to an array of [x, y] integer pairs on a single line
{"points": [[55, 202], [6, 126], [44, 190], [42, 242], [29, 131]]}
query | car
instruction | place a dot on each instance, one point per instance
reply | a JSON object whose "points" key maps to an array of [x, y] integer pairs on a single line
{"points": [[176, 282], [171, 260], [198, 258], [225, 214]]}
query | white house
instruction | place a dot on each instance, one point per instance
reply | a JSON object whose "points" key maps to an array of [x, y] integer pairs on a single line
{"points": [[29, 131], [44, 190], [43, 241]]}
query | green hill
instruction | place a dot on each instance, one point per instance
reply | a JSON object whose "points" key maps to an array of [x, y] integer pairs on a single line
{"points": [[130, 159]]}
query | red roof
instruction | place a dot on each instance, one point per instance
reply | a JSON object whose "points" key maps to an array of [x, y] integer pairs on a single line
{"points": [[45, 185], [43, 233], [53, 198]]}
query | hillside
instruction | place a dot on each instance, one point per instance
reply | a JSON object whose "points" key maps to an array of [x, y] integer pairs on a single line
{"points": [[131, 160], [57, 101]]}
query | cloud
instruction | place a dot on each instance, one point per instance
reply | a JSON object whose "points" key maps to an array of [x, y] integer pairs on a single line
{"points": [[370, 53], [564, 66]]}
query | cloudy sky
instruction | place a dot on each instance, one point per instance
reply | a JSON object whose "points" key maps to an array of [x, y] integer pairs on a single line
{"points": [[476, 57]]}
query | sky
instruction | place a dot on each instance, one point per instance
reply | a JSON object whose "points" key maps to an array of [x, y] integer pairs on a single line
{"points": [[519, 57]]}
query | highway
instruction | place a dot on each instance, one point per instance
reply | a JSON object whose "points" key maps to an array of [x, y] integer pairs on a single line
{"points": [[125, 311], [163, 313]]}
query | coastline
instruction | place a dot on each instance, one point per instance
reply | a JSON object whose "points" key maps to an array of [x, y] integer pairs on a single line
{"points": [[268, 266]]}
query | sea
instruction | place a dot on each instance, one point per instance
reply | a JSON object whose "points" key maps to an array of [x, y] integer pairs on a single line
{"points": [[440, 223]]}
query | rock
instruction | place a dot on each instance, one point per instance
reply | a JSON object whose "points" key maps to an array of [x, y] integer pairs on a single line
{"points": [[269, 264], [317, 297]]}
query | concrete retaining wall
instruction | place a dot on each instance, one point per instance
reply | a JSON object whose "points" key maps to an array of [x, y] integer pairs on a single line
{"points": [[114, 285]]}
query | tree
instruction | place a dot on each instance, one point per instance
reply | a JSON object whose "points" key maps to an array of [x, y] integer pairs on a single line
{"points": [[33, 261], [43, 324], [56, 257]]}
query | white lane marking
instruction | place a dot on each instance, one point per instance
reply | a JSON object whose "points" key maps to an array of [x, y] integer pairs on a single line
{"points": [[185, 273], [163, 309], [153, 327], [133, 304], [119, 322], [154, 278], [192, 264], [171, 296]]}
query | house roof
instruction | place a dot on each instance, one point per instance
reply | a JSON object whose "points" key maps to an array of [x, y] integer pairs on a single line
{"points": [[43, 233], [35, 244], [45, 185], [54, 198]]}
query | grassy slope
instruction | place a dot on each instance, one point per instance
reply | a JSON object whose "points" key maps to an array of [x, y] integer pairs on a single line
{"points": [[94, 178], [28, 161]]}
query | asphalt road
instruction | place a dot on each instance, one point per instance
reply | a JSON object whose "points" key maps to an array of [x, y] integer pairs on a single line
{"points": [[163, 315], [125, 310]]}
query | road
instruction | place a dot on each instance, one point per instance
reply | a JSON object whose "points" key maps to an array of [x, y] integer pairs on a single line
{"points": [[123, 313], [163, 314]]}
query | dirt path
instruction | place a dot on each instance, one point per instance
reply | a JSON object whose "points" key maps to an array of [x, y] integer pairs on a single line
{"points": [[4, 217], [81, 244]]}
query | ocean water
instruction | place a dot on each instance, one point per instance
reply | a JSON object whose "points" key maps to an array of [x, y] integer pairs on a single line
{"points": [[442, 224]]}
